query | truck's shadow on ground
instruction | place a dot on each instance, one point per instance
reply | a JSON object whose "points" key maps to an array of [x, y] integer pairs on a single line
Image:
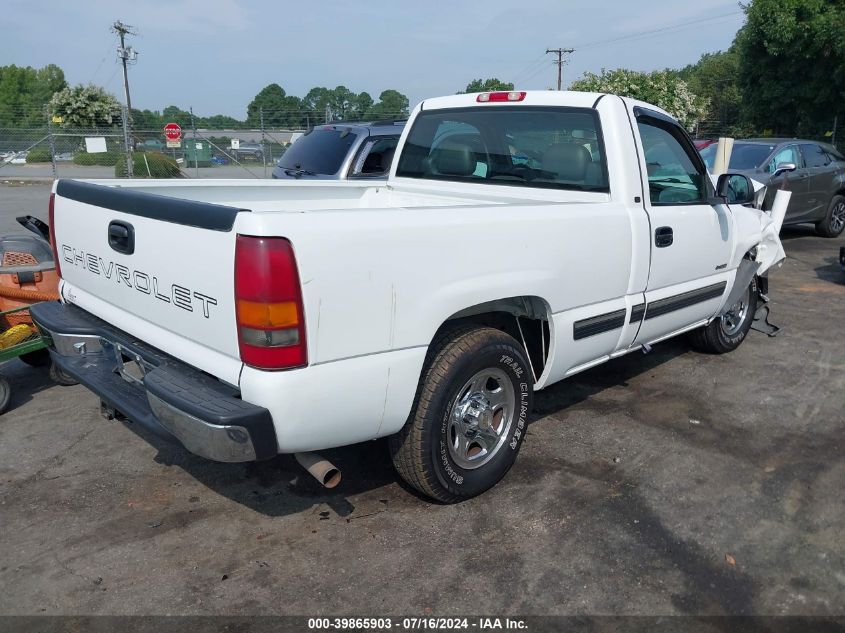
{"points": [[280, 487]]}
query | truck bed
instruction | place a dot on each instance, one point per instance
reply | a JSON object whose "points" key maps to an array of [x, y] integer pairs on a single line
{"points": [[261, 196]]}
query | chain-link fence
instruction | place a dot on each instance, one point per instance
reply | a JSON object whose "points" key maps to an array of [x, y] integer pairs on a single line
{"points": [[121, 148], [55, 150], [117, 147]]}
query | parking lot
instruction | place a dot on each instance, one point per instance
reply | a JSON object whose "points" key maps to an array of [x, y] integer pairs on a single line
{"points": [[667, 483]]}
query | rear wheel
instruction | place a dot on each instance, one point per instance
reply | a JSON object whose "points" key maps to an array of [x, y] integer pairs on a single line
{"points": [[60, 377], [834, 221], [727, 332], [5, 394], [469, 416]]}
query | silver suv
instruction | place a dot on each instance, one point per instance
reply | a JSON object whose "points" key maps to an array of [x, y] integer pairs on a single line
{"points": [[337, 151]]}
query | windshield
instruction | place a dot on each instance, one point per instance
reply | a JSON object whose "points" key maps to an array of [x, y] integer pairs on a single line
{"points": [[743, 156], [321, 151], [524, 146]]}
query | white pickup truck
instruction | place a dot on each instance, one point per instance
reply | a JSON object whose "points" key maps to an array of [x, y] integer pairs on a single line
{"points": [[521, 237]]}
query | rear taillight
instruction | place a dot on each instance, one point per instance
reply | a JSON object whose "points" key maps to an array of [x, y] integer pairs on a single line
{"points": [[51, 218], [268, 304]]}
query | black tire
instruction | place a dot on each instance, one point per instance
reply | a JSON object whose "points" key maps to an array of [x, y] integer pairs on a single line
{"points": [[60, 377], [5, 395], [834, 220], [38, 358], [426, 452], [725, 333]]}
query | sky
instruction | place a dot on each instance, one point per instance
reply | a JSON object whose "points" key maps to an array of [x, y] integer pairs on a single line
{"points": [[215, 55]]}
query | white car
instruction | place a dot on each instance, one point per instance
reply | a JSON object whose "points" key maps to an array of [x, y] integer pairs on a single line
{"points": [[521, 237]]}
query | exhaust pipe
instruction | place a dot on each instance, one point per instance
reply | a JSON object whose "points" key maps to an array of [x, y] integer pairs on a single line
{"points": [[319, 468]]}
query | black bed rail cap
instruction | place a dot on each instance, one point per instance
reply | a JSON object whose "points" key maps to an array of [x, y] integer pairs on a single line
{"points": [[203, 215]]}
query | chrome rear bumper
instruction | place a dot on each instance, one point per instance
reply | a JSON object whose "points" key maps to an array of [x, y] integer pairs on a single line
{"points": [[154, 390]]}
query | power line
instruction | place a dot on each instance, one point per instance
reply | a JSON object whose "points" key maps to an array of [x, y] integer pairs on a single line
{"points": [[532, 70], [102, 61], [530, 65], [539, 70], [670, 27]]}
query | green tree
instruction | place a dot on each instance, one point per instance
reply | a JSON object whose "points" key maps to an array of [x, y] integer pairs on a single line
{"points": [[715, 77], [175, 114], [314, 104], [85, 106], [146, 120], [662, 88], [221, 122], [487, 85], [392, 104], [271, 101], [342, 103], [24, 91], [792, 64], [361, 105]]}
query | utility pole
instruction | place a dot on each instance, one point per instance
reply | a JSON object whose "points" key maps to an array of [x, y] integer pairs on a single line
{"points": [[560, 52], [196, 152], [263, 157], [126, 55]]}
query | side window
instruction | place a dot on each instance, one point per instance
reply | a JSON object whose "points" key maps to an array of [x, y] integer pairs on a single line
{"points": [[375, 156], [814, 155], [674, 177], [788, 154]]}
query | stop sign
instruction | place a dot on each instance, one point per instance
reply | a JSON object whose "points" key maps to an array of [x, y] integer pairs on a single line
{"points": [[172, 132]]}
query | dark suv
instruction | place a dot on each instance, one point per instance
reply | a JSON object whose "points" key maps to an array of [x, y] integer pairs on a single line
{"points": [[342, 150], [817, 184], [249, 151]]}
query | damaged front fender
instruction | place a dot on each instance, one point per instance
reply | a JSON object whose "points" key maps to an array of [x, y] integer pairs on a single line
{"points": [[744, 274], [758, 232], [758, 247]]}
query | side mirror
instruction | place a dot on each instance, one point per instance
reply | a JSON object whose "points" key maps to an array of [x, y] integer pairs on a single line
{"points": [[782, 168], [735, 189]]}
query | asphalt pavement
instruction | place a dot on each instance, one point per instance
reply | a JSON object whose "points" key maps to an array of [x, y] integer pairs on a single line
{"points": [[668, 483]]}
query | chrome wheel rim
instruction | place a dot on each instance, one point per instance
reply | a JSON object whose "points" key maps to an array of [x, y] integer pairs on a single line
{"points": [[837, 217], [481, 418], [733, 320]]}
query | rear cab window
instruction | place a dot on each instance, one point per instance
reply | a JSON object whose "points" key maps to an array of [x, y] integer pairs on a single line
{"points": [[320, 151], [543, 147]]}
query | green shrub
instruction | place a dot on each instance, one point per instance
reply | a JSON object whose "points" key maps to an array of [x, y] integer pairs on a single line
{"points": [[84, 158], [159, 165], [105, 159], [39, 155]]}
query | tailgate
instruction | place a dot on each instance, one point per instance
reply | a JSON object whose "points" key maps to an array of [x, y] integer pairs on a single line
{"points": [[159, 268]]}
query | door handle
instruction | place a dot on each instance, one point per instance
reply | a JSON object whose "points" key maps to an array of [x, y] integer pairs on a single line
{"points": [[663, 237], [122, 237]]}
